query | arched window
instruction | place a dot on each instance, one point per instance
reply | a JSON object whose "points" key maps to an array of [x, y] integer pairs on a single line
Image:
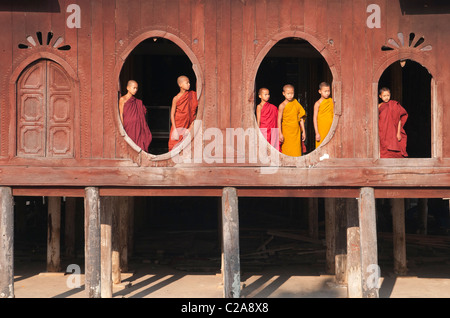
{"points": [[155, 65], [294, 61], [410, 85], [45, 111]]}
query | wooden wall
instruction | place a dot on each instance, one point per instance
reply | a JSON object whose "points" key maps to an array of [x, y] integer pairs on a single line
{"points": [[226, 41]]}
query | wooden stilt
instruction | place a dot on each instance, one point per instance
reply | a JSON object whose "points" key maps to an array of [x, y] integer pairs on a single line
{"points": [[116, 233], [130, 234], [69, 228], [330, 236], [313, 218], [124, 211], [368, 239], [341, 242], [230, 234], [6, 243], [423, 215], [54, 234], [399, 236], [92, 242], [354, 279], [106, 210]]}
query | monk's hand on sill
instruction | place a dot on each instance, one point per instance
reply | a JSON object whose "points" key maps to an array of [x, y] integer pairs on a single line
{"points": [[175, 134], [303, 136]]}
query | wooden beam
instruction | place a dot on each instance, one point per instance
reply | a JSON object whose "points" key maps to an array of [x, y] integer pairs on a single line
{"points": [[422, 207], [69, 228], [368, 239], [354, 279], [399, 235], [107, 205], [330, 234], [313, 218], [54, 234], [230, 234], [341, 242], [92, 242], [6, 243]]}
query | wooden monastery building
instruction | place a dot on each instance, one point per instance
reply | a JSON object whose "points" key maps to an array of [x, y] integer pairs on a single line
{"points": [[66, 63]]}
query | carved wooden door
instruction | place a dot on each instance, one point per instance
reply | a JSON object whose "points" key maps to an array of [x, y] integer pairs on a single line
{"points": [[45, 111]]}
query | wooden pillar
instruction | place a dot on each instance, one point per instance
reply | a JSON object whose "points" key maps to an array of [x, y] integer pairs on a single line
{"points": [[230, 233], [399, 236], [422, 207], [340, 258], [130, 234], [313, 218], [6, 243], [116, 239], [92, 242], [330, 234], [107, 206], [354, 279], [54, 234], [368, 238], [69, 228]]}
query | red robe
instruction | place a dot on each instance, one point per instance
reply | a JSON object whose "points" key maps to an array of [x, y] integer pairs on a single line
{"points": [[135, 124], [185, 113], [390, 114], [268, 124]]}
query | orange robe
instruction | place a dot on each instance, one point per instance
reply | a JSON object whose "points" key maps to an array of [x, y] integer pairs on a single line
{"points": [[324, 118], [268, 124], [185, 112], [390, 114], [292, 114]]}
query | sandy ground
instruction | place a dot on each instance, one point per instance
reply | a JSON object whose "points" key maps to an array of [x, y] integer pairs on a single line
{"points": [[162, 281]]}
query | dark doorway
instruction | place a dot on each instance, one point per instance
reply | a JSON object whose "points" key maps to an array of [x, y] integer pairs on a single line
{"points": [[156, 64], [410, 85], [294, 61]]}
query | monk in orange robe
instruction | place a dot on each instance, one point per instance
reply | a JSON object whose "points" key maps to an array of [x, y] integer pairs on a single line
{"points": [[291, 124], [391, 121], [132, 114], [183, 112], [323, 113], [267, 118]]}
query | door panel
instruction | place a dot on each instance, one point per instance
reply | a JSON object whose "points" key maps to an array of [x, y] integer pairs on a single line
{"points": [[45, 111]]}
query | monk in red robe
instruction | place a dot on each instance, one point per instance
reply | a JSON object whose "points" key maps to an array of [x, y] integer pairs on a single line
{"points": [[267, 118], [132, 113], [392, 118], [183, 112]]}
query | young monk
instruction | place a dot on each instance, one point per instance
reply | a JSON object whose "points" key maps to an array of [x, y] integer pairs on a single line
{"points": [[267, 118], [323, 113], [132, 114], [291, 123], [391, 120], [183, 111]]}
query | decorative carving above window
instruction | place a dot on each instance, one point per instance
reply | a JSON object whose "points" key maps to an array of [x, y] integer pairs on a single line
{"points": [[32, 42], [403, 42]]}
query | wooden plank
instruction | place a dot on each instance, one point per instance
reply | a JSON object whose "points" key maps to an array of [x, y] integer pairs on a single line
{"points": [[330, 235], [69, 228], [354, 278], [224, 66], [230, 233], [54, 234], [238, 56], [92, 249], [368, 239], [398, 233], [6, 243], [341, 242], [107, 206]]}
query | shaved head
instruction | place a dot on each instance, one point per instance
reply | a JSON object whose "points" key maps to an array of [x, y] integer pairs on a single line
{"points": [[131, 82], [181, 79]]}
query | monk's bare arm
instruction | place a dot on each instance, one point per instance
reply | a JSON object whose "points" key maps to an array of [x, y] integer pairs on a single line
{"points": [[258, 114], [399, 130], [316, 127], [302, 125], [172, 117], [121, 103], [280, 120]]}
